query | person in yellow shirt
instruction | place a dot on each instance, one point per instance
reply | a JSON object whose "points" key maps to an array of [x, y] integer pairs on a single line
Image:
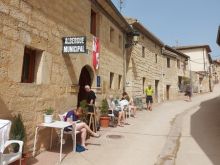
{"points": [[149, 97]]}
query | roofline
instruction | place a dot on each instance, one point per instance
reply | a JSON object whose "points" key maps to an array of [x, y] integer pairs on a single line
{"points": [[147, 33], [123, 24], [216, 61], [175, 51], [218, 36], [194, 47]]}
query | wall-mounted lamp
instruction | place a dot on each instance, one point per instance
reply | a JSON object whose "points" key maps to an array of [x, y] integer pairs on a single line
{"points": [[135, 37]]}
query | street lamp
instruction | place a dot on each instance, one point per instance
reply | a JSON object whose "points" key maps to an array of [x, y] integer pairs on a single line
{"points": [[135, 37]]}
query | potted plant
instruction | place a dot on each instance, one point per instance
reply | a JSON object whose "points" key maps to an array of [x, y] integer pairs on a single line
{"points": [[104, 118], [84, 105], [48, 116], [18, 133]]}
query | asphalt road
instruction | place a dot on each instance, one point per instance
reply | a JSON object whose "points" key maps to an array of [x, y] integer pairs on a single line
{"points": [[200, 136], [175, 132]]}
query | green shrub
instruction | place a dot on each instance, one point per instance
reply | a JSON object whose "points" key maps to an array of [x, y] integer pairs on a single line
{"points": [[104, 108], [17, 131], [49, 111], [84, 105]]}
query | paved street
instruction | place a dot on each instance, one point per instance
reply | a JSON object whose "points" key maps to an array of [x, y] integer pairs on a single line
{"points": [[186, 129], [199, 143]]}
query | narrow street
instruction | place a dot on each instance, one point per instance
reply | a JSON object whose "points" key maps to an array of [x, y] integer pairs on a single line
{"points": [[175, 132], [199, 142]]}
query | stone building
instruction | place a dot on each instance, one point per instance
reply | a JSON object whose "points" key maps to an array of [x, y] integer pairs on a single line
{"points": [[200, 65], [151, 62], [144, 63], [175, 72], [216, 71], [35, 73]]}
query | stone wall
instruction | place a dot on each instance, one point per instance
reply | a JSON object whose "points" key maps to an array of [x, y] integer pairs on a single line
{"points": [[144, 68], [200, 82], [170, 78], [41, 24], [216, 72]]}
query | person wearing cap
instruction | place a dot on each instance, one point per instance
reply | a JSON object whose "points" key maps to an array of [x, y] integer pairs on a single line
{"points": [[149, 97]]}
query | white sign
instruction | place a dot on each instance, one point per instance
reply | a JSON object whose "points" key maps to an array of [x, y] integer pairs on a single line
{"points": [[74, 44]]}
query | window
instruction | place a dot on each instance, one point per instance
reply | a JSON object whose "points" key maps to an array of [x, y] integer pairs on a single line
{"points": [[155, 58], [143, 82], [178, 64], [111, 80], [168, 62], [143, 51], [111, 34], [119, 81], [120, 41], [28, 68], [93, 23], [32, 69]]}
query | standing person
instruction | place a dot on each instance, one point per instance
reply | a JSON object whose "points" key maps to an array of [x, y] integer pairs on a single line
{"points": [[91, 103], [90, 98], [149, 97], [188, 92]]}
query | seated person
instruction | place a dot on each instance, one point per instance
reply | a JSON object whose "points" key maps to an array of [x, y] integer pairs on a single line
{"points": [[124, 100], [72, 116], [132, 106], [124, 104], [117, 111]]}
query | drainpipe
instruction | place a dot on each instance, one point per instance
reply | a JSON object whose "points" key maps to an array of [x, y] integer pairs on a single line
{"points": [[124, 63], [162, 74], [203, 58], [190, 75]]}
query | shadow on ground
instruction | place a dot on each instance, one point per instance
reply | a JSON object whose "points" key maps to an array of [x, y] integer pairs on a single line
{"points": [[205, 129]]}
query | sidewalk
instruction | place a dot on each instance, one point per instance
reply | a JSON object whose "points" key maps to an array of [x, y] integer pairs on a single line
{"points": [[139, 143]]}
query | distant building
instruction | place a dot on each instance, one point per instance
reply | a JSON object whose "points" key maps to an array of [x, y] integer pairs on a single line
{"points": [[177, 72], [216, 71], [200, 65]]}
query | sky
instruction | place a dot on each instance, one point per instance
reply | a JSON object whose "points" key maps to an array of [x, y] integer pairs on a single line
{"points": [[178, 22]]}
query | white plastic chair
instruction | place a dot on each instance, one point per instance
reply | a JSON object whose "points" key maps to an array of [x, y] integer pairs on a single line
{"points": [[7, 158], [72, 133], [111, 112]]}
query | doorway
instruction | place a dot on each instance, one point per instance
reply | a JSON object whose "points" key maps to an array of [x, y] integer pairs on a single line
{"points": [[180, 86], [168, 91], [85, 78]]}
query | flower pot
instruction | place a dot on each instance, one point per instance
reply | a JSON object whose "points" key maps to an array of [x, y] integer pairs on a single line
{"points": [[48, 118], [104, 121]]}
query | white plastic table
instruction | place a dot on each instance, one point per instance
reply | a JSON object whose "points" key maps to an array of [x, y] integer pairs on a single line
{"points": [[55, 124]]}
